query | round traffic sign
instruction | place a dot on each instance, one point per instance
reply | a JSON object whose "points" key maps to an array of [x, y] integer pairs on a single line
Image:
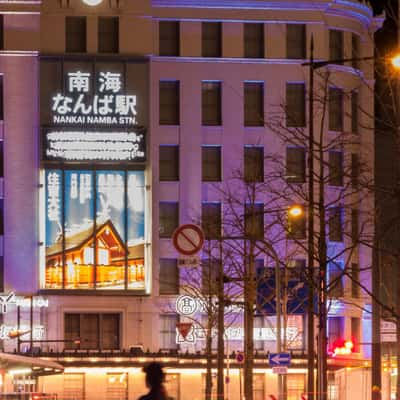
{"points": [[188, 239], [240, 357]]}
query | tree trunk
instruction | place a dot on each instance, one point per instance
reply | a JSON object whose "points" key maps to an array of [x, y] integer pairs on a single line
{"points": [[209, 358]]}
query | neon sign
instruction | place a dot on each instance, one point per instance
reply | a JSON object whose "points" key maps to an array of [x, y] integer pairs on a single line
{"points": [[37, 331], [6, 300], [107, 107]]}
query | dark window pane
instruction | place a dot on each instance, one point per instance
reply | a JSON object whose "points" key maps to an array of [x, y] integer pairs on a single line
{"points": [[254, 220], [253, 104], [169, 276], [1, 158], [1, 217], [169, 163], [209, 278], [354, 170], [211, 39], [355, 280], [254, 40], [169, 103], [211, 220], [356, 333], [295, 164], [211, 163], [354, 111], [335, 224], [354, 226], [108, 35], [335, 280], [296, 41], [1, 98], [211, 103], [295, 105], [355, 50], [336, 46], [335, 109], [169, 38], [110, 331], [71, 330], [75, 34], [335, 331], [253, 164], [90, 333], [169, 218], [335, 168], [1, 32]]}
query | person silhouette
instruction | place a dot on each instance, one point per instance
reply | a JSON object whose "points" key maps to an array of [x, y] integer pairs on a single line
{"points": [[154, 381]]}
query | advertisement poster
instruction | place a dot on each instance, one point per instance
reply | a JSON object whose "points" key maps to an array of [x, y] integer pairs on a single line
{"points": [[95, 229]]}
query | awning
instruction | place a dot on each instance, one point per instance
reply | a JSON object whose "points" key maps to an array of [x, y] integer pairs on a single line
{"points": [[15, 364]]}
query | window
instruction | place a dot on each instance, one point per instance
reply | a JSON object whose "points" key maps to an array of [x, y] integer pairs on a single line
{"points": [[258, 321], [1, 98], [296, 228], [355, 280], [211, 219], [169, 103], [355, 50], [211, 39], [95, 331], [258, 386], [354, 111], [254, 164], [117, 386], [74, 386], [172, 385], [169, 163], [296, 41], [75, 34], [295, 105], [253, 104], [336, 45], [254, 40], [169, 38], [1, 32], [335, 279], [209, 276], [211, 103], [254, 220], [211, 163], [354, 226], [102, 218], [1, 217], [169, 276], [295, 386], [335, 168], [108, 36], [335, 224], [295, 165], [354, 170], [335, 331], [335, 109], [168, 331], [169, 218], [356, 333]]}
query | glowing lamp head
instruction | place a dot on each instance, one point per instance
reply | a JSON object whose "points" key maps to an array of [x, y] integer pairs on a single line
{"points": [[295, 211], [92, 2], [396, 61]]}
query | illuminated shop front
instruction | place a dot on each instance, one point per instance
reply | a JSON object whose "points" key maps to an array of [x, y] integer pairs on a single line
{"points": [[93, 117]]}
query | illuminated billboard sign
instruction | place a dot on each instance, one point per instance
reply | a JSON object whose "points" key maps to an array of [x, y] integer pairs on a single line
{"points": [[95, 229], [94, 110], [77, 145]]}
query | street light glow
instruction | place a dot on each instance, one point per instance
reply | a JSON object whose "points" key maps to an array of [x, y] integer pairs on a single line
{"points": [[396, 61], [295, 211]]}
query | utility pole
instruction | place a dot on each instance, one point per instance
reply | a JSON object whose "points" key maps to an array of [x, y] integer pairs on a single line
{"points": [[220, 327], [310, 246]]}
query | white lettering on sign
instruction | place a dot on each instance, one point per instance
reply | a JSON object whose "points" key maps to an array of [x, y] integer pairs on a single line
{"points": [[6, 300], [107, 108], [79, 145], [53, 197]]}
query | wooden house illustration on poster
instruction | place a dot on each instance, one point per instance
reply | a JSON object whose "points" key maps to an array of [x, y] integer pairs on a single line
{"points": [[112, 254]]}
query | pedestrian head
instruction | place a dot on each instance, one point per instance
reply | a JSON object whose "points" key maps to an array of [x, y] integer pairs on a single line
{"points": [[154, 375]]}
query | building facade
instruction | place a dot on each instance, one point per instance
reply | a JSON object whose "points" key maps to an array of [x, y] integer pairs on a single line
{"points": [[122, 120]]}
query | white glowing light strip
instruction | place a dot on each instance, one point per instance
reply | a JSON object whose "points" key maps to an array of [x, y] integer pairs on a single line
{"points": [[95, 145], [20, 371]]}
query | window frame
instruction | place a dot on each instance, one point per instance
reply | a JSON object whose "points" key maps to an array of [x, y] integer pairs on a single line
{"points": [[171, 284], [211, 103], [211, 167], [169, 39], [211, 219], [104, 32], [292, 166], [211, 39], [71, 34], [296, 41], [253, 40], [168, 162], [295, 105], [172, 222], [253, 164], [169, 102], [253, 104]]}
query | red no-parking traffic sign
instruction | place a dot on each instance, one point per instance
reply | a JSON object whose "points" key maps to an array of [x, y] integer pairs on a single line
{"points": [[188, 239]]}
